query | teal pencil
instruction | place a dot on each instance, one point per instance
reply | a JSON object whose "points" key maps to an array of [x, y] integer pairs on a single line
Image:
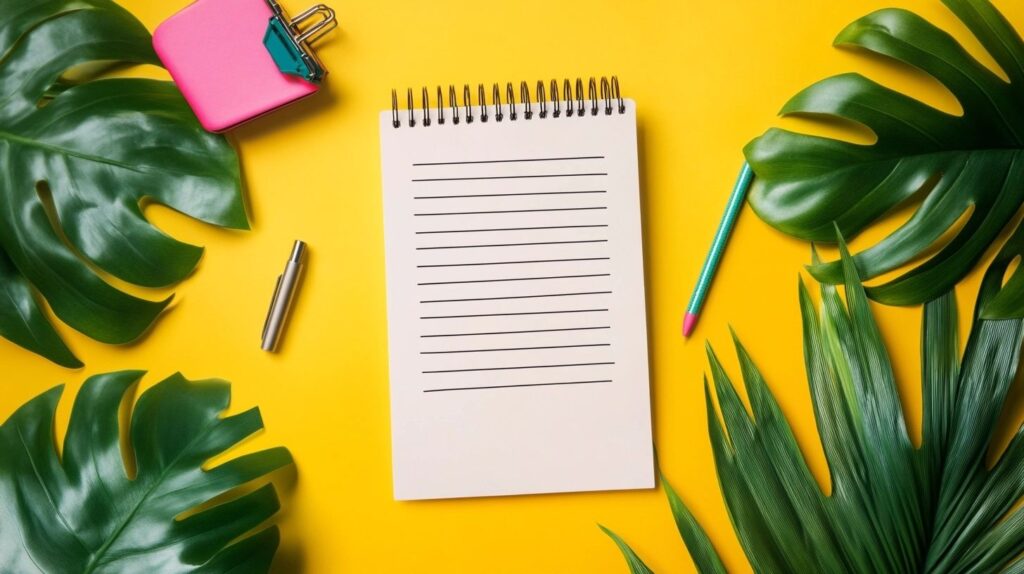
{"points": [[707, 273]]}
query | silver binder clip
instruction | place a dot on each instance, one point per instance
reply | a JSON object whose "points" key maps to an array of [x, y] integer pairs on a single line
{"points": [[288, 42]]}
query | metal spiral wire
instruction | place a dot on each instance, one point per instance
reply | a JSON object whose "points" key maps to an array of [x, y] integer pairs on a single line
{"points": [[601, 95]]}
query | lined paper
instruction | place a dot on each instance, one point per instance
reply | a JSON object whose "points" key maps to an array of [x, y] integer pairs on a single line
{"points": [[517, 331]]}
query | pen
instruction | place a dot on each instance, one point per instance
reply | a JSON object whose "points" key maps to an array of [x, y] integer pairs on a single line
{"points": [[707, 273], [281, 302]]}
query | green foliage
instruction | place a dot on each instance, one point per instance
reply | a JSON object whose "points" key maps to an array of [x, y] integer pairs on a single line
{"points": [[78, 158], [961, 169], [693, 535], [636, 565], [86, 512], [696, 540], [893, 507]]}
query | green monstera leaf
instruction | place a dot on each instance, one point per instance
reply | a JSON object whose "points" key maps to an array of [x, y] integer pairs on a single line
{"points": [[87, 512], [77, 161], [963, 170]]}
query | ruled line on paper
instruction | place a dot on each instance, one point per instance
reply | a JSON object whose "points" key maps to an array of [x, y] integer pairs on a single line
{"points": [[514, 262], [512, 229], [512, 244], [514, 386], [519, 367], [552, 209], [516, 332], [527, 202], [516, 314], [508, 160], [485, 177], [518, 297], [507, 194], [515, 279], [514, 349]]}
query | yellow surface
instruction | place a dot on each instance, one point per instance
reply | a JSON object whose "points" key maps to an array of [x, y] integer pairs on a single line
{"points": [[707, 76]]}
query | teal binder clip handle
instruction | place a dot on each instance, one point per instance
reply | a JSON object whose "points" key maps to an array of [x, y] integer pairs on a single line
{"points": [[289, 44]]}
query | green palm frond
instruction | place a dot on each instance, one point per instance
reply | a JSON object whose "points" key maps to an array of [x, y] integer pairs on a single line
{"points": [[893, 507], [636, 565]]}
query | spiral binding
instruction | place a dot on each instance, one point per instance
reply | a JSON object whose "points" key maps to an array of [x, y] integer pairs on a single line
{"points": [[604, 91]]}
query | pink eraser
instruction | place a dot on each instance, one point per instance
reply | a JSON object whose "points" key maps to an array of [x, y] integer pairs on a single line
{"points": [[689, 322], [214, 51]]}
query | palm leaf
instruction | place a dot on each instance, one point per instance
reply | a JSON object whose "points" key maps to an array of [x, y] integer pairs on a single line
{"points": [[697, 541], [87, 512], [968, 168], [701, 549], [79, 159], [892, 507], [636, 565]]}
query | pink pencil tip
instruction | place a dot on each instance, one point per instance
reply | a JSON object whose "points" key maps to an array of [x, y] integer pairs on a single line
{"points": [[689, 322]]}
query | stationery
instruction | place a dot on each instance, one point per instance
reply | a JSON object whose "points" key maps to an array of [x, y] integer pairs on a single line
{"points": [[281, 301], [235, 60], [516, 314], [707, 272]]}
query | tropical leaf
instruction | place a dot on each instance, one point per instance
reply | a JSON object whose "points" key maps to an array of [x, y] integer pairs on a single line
{"points": [[964, 173], [79, 158], [636, 565], [146, 506], [697, 542], [893, 507]]}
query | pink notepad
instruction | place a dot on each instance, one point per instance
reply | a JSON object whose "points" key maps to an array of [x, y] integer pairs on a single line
{"points": [[214, 51]]}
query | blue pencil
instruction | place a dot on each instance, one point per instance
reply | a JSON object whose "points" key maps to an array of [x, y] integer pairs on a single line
{"points": [[707, 273]]}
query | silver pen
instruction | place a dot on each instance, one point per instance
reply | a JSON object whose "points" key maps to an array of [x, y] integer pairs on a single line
{"points": [[281, 303]]}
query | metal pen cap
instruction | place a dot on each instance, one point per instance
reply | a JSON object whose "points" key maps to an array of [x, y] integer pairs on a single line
{"points": [[281, 302]]}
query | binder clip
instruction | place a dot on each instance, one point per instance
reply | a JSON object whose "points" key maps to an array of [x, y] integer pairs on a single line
{"points": [[260, 61], [289, 45]]}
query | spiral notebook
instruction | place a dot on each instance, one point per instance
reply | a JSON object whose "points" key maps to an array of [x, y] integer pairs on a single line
{"points": [[516, 314]]}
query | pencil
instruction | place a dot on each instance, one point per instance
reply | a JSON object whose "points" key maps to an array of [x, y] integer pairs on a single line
{"points": [[707, 273]]}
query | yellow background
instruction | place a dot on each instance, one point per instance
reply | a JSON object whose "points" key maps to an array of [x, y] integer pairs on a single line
{"points": [[707, 77]]}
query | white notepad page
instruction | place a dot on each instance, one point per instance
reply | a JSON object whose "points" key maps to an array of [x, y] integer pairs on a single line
{"points": [[516, 314]]}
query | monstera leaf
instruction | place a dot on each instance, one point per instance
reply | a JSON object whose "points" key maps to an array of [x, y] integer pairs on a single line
{"points": [[892, 506], [965, 171], [148, 506], [78, 159]]}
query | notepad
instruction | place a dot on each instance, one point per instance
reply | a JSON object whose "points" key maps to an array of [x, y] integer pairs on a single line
{"points": [[515, 293]]}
